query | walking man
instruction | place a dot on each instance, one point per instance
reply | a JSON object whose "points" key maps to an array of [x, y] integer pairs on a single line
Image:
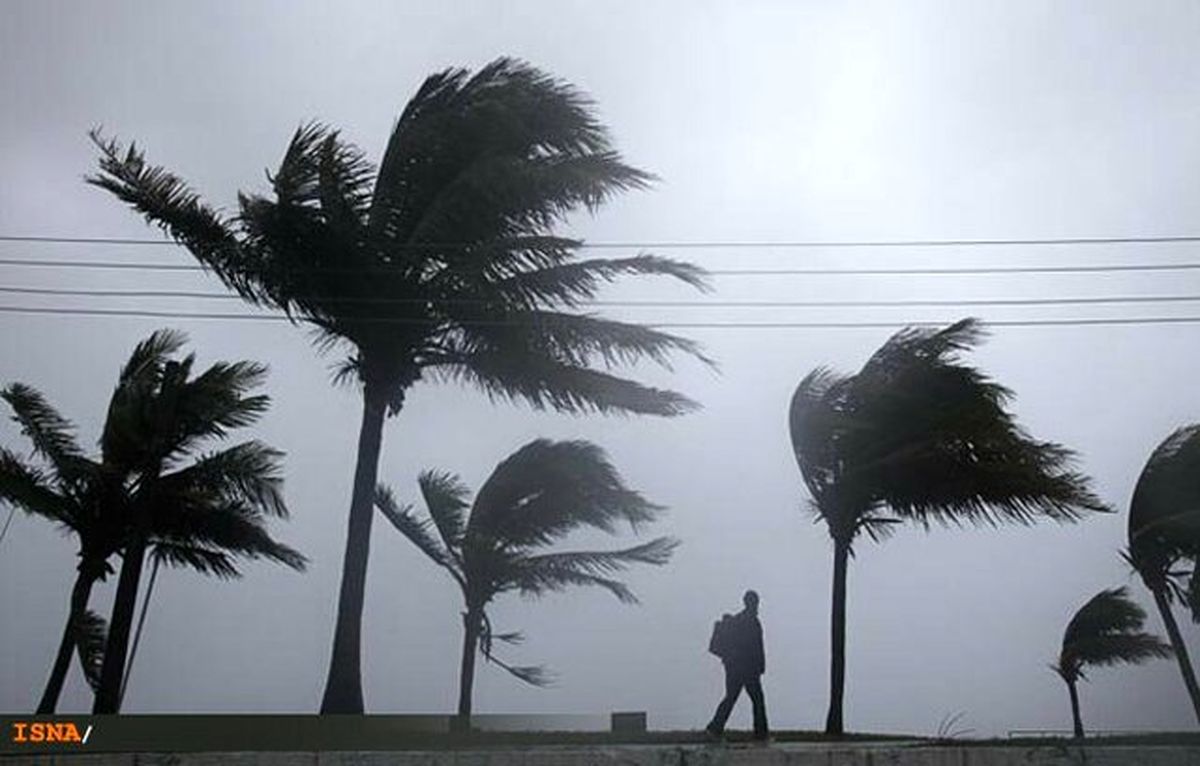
{"points": [[738, 641]]}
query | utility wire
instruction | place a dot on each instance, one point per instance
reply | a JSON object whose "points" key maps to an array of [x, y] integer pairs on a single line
{"points": [[707, 244], [68, 311], [1184, 266], [635, 303]]}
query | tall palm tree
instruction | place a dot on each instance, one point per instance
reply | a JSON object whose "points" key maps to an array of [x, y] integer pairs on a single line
{"points": [[917, 435], [1164, 533], [96, 500], [534, 498], [1107, 630], [441, 263]]}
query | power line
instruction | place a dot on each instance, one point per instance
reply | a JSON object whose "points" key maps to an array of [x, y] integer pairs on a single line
{"points": [[705, 244], [72, 311], [1098, 300], [1127, 267]]}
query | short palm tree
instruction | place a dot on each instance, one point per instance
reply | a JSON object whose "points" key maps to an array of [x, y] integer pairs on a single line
{"points": [[1164, 534], [919, 436], [66, 488], [97, 500], [185, 502], [1107, 630], [441, 263], [534, 498]]}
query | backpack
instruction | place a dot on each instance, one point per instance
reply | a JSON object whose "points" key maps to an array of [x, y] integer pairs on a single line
{"points": [[721, 643]]}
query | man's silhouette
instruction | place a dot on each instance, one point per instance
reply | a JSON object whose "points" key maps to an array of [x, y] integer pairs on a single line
{"points": [[745, 663]]}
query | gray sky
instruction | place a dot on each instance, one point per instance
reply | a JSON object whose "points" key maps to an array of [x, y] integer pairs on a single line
{"points": [[766, 121]]}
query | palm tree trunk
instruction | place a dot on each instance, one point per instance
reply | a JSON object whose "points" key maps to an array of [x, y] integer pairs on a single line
{"points": [[1078, 722], [1185, 663], [108, 696], [343, 685], [137, 635], [837, 656], [472, 622], [81, 592]]}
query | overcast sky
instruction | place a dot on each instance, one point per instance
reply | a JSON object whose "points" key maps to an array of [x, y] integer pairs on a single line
{"points": [[766, 121]]}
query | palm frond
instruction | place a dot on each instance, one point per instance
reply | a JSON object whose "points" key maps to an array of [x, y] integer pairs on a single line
{"points": [[231, 527], [160, 413], [536, 578], [657, 552], [27, 488], [216, 401], [149, 356], [457, 139], [91, 635], [1107, 630], [416, 530], [249, 472], [52, 435], [534, 675], [927, 436], [1164, 514], [447, 500], [578, 340], [546, 383], [567, 284], [204, 560], [166, 201], [546, 489]]}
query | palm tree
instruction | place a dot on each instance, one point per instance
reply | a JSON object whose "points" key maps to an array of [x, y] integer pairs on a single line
{"points": [[440, 263], [1164, 533], [96, 500], [919, 436], [64, 487], [185, 506], [534, 498], [1107, 630]]}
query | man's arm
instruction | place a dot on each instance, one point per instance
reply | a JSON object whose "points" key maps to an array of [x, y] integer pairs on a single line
{"points": [[760, 655]]}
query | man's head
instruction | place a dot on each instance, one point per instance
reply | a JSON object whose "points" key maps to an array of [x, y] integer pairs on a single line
{"points": [[751, 601]]}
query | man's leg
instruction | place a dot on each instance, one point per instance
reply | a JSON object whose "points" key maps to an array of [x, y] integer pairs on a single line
{"points": [[733, 687], [755, 691]]}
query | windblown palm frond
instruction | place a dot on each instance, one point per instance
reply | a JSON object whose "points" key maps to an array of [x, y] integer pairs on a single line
{"points": [[27, 487], [547, 489], [418, 531], [166, 201], [249, 472], [1107, 630], [52, 435], [447, 250], [1164, 514], [928, 438], [197, 558], [228, 527], [447, 500], [535, 575]]}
